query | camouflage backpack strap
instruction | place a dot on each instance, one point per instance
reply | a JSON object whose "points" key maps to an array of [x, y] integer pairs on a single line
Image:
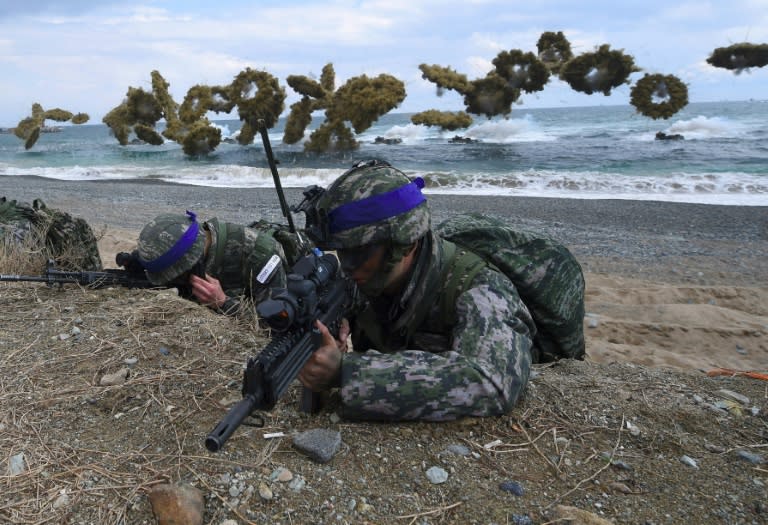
{"points": [[221, 241], [460, 272], [295, 244], [227, 263]]}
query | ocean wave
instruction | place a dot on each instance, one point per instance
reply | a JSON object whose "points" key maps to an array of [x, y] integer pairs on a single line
{"points": [[715, 188]]}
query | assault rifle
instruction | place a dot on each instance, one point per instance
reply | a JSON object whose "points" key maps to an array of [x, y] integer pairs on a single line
{"points": [[316, 289], [131, 276]]}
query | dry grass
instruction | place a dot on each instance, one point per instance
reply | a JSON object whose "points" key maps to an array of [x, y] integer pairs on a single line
{"points": [[25, 256], [92, 452]]}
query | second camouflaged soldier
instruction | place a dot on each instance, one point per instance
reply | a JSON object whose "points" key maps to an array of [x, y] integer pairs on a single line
{"points": [[444, 334], [222, 262]]}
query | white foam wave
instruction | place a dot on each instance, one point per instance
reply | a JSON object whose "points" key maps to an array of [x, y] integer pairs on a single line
{"points": [[707, 128], [714, 188], [495, 131], [509, 131], [732, 188]]}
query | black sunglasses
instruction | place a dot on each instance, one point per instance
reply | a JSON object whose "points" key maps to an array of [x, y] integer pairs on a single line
{"points": [[353, 258]]}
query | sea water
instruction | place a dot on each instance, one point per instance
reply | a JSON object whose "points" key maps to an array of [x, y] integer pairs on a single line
{"points": [[583, 152]]}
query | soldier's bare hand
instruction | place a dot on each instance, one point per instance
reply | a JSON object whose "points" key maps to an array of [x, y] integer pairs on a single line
{"points": [[343, 336], [323, 368], [208, 291]]}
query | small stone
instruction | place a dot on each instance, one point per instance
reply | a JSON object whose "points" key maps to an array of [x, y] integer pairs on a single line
{"points": [[512, 486], [437, 475], [633, 429], [297, 483], [717, 449], [281, 474], [175, 504], [116, 378], [567, 514], [687, 460], [61, 501], [458, 450], [320, 444], [733, 396], [620, 487], [265, 492], [755, 459], [16, 464]]}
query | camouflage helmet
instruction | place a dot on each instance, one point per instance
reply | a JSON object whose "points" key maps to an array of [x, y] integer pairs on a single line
{"points": [[371, 203], [169, 245]]}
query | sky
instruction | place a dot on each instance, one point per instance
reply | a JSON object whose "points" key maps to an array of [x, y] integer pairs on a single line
{"points": [[83, 55]]}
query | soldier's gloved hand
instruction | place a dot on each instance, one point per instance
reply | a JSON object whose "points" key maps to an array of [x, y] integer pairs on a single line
{"points": [[208, 291], [323, 368]]}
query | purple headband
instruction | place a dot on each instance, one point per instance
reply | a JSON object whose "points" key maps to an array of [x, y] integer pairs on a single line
{"points": [[376, 207], [176, 251]]}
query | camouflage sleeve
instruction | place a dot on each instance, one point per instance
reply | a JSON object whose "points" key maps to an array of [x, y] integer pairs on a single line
{"points": [[482, 372]]}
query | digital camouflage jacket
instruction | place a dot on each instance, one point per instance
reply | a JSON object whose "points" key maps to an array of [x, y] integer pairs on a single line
{"points": [[247, 261], [408, 364]]}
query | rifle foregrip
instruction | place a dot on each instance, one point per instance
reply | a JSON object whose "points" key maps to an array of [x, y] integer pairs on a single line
{"points": [[234, 418]]}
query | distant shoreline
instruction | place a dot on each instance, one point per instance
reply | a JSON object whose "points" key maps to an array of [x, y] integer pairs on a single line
{"points": [[244, 204]]}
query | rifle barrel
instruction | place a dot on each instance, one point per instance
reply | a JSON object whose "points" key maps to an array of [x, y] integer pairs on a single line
{"points": [[234, 418], [21, 278]]}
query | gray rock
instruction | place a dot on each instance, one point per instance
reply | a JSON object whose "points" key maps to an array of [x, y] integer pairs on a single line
{"points": [[755, 459], [734, 396], [16, 464], [458, 450], [437, 475], [320, 444]]}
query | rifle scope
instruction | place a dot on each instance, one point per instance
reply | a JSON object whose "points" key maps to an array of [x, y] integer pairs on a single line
{"points": [[295, 305]]}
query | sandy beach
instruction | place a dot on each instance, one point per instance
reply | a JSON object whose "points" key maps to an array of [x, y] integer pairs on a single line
{"points": [[668, 284]]}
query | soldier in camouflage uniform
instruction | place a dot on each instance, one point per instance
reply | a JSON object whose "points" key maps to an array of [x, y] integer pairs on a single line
{"points": [[221, 262], [68, 241], [422, 350]]}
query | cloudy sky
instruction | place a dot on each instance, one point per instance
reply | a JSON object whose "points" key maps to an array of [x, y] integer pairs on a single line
{"points": [[82, 55]]}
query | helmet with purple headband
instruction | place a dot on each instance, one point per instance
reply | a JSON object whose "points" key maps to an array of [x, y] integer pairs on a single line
{"points": [[369, 204], [170, 245]]}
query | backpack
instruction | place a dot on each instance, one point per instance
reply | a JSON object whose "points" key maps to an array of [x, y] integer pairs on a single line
{"points": [[547, 277], [68, 240], [295, 245]]}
